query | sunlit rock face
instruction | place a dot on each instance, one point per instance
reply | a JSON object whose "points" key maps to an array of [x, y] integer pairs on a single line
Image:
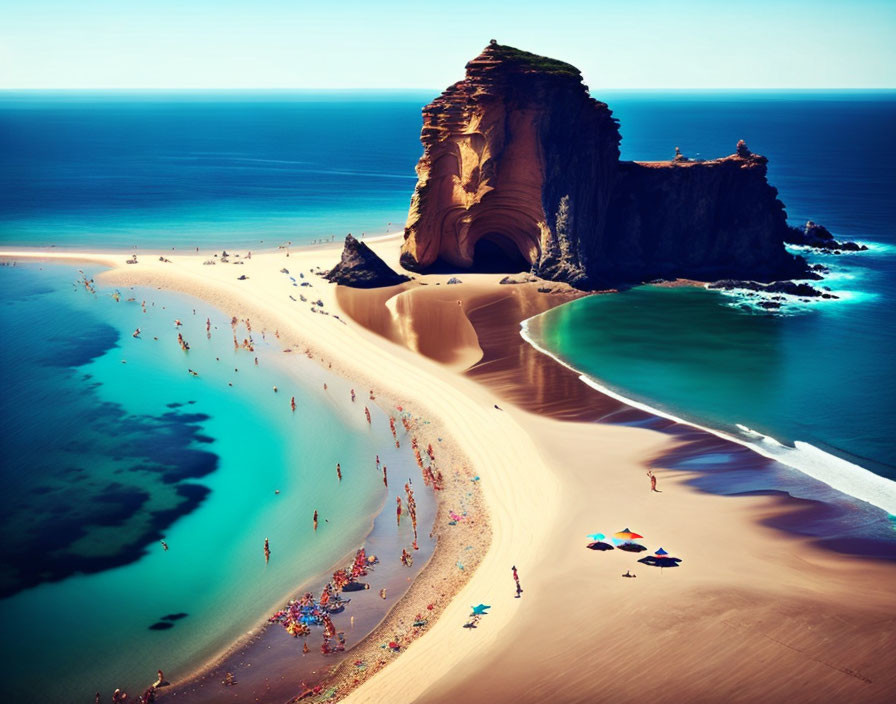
{"points": [[521, 171]]}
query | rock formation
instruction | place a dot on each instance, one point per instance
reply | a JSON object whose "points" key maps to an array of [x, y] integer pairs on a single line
{"points": [[819, 237], [360, 267], [791, 288], [521, 171]]}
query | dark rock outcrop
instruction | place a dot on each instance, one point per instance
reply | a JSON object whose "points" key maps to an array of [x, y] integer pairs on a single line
{"points": [[360, 267], [521, 170], [791, 288], [819, 237]]}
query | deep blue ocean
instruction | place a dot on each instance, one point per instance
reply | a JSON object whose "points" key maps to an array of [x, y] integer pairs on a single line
{"points": [[156, 170], [108, 445]]}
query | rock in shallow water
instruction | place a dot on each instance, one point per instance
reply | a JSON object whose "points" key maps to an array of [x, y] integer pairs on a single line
{"points": [[790, 288], [819, 237]]}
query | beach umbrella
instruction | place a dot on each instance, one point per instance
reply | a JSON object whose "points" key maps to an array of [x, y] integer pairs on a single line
{"points": [[480, 610], [661, 559], [599, 545], [632, 547], [596, 536], [627, 535]]}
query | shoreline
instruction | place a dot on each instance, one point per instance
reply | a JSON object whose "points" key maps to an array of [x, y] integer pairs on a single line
{"points": [[111, 255], [336, 396], [531, 469], [885, 502], [579, 407], [580, 399], [431, 583]]}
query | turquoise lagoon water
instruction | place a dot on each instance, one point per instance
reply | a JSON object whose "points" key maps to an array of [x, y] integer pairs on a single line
{"points": [[109, 445]]}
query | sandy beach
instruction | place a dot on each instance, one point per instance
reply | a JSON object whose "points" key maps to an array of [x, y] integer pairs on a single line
{"points": [[754, 613]]}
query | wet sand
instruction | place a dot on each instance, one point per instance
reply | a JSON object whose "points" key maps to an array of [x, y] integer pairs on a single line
{"points": [[270, 666], [756, 612]]}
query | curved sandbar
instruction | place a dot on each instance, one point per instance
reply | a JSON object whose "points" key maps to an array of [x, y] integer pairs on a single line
{"points": [[751, 615]]}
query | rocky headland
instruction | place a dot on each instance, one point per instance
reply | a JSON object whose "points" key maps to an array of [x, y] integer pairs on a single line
{"points": [[521, 172]]}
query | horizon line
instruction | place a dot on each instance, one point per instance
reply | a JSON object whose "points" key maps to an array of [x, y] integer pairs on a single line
{"points": [[425, 89]]}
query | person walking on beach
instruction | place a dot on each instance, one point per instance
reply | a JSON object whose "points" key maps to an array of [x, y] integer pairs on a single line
{"points": [[516, 578], [385, 477], [653, 481], [315, 520]]}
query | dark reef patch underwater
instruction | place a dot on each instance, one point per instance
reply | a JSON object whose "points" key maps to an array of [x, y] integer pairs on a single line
{"points": [[88, 486]]}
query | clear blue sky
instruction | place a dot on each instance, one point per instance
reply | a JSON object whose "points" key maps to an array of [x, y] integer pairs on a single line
{"points": [[425, 44]]}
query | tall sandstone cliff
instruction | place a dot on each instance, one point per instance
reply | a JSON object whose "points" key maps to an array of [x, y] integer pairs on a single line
{"points": [[521, 170]]}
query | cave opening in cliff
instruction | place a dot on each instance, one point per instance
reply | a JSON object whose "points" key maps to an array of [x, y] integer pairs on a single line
{"points": [[495, 253]]}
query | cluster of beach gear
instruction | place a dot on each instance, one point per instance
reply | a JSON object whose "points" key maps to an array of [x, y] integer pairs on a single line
{"points": [[627, 541], [299, 616]]}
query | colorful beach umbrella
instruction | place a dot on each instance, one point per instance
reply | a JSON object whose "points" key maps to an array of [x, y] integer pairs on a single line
{"points": [[661, 559], [627, 535], [599, 545], [479, 610], [631, 547]]}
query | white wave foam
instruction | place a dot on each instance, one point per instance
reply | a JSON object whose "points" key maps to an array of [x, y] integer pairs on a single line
{"points": [[878, 247], [837, 473], [789, 304], [873, 248]]}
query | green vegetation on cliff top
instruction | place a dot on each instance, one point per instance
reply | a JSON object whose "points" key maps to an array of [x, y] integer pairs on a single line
{"points": [[533, 62]]}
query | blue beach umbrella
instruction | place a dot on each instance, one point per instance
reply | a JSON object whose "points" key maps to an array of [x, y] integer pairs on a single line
{"points": [[661, 559], [480, 610], [596, 536]]}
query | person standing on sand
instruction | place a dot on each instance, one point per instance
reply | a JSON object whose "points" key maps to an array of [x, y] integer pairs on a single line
{"points": [[315, 520], [516, 578], [653, 481]]}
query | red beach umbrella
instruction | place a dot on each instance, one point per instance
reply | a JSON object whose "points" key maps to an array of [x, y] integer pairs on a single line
{"points": [[627, 535]]}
